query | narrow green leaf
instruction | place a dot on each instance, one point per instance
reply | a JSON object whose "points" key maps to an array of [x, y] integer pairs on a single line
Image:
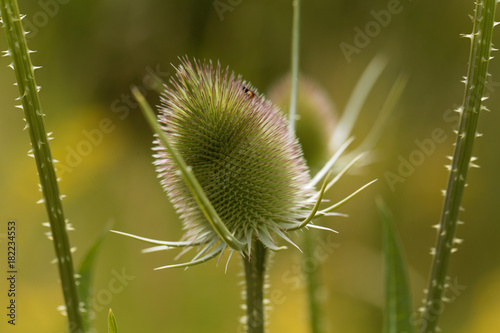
{"points": [[188, 176], [316, 206], [398, 305], [357, 99], [112, 328], [343, 201], [86, 272], [384, 116]]}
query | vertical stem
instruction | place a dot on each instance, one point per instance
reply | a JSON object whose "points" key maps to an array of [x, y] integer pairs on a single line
{"points": [[317, 320], [28, 90], [255, 267], [312, 278], [481, 47], [295, 65]]}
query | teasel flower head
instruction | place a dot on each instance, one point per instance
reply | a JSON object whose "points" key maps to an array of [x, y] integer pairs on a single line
{"points": [[240, 150], [230, 166]]}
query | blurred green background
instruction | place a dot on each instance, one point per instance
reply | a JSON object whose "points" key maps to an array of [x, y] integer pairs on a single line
{"points": [[93, 51]]}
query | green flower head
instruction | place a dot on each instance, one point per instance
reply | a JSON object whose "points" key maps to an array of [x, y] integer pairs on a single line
{"points": [[239, 148], [230, 165]]}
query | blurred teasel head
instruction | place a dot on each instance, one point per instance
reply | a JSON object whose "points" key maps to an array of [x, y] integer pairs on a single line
{"points": [[238, 146], [316, 117]]}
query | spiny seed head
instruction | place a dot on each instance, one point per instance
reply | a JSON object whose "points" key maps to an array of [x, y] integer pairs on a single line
{"points": [[240, 150]]}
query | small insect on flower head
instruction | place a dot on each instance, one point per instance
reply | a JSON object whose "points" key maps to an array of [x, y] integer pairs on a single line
{"points": [[248, 92]]}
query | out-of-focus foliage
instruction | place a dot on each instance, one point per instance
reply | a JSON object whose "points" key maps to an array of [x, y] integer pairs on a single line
{"points": [[92, 51]]}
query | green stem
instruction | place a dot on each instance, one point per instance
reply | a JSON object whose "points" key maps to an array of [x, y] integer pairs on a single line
{"points": [[28, 90], [476, 79], [317, 319], [255, 267], [312, 278], [295, 65]]}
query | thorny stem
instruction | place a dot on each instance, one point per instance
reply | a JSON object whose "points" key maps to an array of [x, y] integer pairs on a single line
{"points": [[28, 90], [462, 159], [255, 270]]}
